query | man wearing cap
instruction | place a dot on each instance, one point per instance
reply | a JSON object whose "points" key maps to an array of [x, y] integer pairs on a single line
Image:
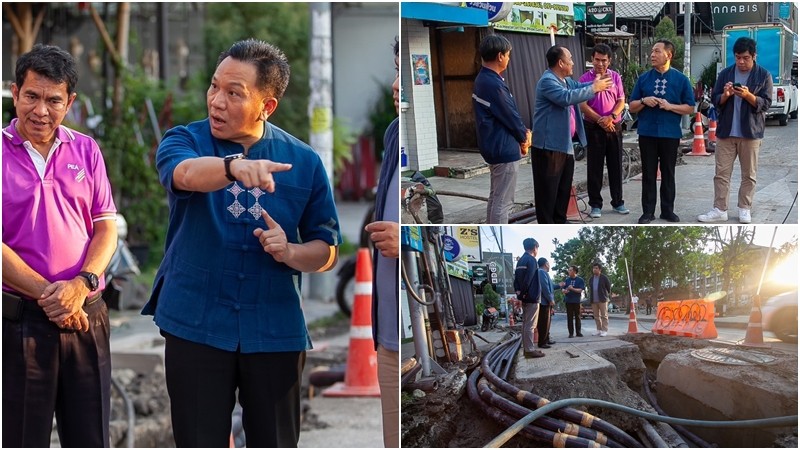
{"points": [[547, 303], [529, 292]]}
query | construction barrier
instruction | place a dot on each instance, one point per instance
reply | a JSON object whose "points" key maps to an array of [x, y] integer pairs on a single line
{"points": [[361, 377], [687, 318]]}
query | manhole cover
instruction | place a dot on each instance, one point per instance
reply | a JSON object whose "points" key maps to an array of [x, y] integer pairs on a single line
{"points": [[733, 356]]}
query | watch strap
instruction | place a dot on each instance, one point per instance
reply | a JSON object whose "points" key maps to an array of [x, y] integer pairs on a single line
{"points": [[92, 281], [228, 160]]}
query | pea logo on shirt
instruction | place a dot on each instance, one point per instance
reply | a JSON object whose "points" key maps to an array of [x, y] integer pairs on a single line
{"points": [[81, 172]]}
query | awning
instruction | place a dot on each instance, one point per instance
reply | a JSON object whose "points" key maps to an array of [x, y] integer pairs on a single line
{"points": [[449, 14], [613, 34], [638, 10]]}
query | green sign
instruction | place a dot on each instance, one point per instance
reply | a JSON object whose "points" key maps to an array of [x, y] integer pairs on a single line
{"points": [[600, 17], [725, 13]]}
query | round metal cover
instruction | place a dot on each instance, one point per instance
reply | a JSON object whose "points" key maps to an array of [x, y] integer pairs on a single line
{"points": [[733, 356]]}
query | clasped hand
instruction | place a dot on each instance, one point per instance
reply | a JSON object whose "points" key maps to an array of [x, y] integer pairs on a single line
{"points": [[63, 300]]}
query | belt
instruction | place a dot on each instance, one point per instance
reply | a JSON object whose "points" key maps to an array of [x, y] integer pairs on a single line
{"points": [[16, 306]]}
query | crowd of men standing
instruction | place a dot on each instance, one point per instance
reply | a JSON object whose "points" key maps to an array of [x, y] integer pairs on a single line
{"points": [[590, 111]]}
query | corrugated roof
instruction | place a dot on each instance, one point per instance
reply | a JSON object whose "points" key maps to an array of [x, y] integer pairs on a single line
{"points": [[638, 10]]}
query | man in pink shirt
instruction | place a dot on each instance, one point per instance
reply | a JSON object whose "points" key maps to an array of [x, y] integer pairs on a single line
{"points": [[602, 118], [59, 234]]}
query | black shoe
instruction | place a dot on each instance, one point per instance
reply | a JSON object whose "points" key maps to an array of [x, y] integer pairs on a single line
{"points": [[533, 354], [544, 346], [646, 218], [551, 342], [579, 335], [569, 335], [670, 217]]}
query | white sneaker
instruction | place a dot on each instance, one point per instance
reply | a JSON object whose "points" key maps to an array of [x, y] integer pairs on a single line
{"points": [[744, 215], [603, 334], [715, 215], [596, 333]]}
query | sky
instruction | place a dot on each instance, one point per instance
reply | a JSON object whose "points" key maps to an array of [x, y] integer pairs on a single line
{"points": [[513, 235]]}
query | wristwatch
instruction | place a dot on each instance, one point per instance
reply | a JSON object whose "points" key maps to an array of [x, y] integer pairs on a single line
{"points": [[228, 160], [91, 280], [613, 116]]}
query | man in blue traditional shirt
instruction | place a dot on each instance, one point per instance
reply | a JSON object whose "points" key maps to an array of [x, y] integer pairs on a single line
{"points": [[660, 97], [251, 208]]}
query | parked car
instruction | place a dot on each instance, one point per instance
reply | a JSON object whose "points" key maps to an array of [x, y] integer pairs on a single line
{"points": [[779, 315]]}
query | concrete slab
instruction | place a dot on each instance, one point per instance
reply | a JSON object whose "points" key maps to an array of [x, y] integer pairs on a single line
{"points": [[558, 362], [692, 388]]}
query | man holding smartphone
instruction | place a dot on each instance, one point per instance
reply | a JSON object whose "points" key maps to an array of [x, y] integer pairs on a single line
{"points": [[742, 95]]}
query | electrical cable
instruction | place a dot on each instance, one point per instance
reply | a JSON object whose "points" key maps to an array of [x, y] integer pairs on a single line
{"points": [[791, 207]]}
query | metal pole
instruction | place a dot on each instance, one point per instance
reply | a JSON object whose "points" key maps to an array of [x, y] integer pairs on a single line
{"points": [[503, 304], [418, 318], [766, 262], [687, 39]]}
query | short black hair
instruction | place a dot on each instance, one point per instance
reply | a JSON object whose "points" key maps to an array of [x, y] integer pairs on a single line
{"points": [[493, 44], [744, 44], [598, 265], [396, 47], [554, 53], [272, 66], [603, 49], [668, 46], [529, 244], [542, 261], [50, 62], [574, 268]]}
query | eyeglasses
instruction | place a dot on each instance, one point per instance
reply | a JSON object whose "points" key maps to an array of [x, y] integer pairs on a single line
{"points": [[54, 104]]}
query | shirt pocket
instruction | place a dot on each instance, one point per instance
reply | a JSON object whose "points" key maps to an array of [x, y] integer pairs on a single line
{"points": [[184, 295], [287, 205], [280, 315]]}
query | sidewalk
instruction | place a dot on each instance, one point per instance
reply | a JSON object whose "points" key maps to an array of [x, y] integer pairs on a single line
{"points": [[775, 189]]}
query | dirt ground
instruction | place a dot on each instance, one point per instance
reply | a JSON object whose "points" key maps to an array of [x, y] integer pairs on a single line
{"points": [[447, 418]]}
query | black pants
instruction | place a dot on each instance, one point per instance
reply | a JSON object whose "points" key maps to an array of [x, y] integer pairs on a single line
{"points": [[604, 149], [552, 182], [663, 153], [574, 313], [48, 370], [544, 324], [202, 383]]}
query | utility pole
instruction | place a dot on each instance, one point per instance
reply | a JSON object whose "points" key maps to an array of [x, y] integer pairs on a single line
{"points": [[320, 113], [687, 39], [320, 110]]}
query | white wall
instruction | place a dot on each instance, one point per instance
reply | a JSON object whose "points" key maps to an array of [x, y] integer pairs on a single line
{"points": [[419, 122], [363, 60], [703, 52]]}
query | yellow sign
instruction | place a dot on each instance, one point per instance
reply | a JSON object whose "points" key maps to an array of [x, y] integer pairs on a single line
{"points": [[469, 237]]}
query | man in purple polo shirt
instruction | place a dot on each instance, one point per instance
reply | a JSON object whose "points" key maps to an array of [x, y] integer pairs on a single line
{"points": [[601, 118], [59, 234]]}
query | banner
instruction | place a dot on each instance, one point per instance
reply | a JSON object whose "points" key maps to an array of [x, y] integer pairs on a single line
{"points": [[469, 237], [539, 17]]}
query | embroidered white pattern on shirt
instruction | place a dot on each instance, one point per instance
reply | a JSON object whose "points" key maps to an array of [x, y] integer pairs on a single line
{"points": [[81, 175], [235, 190], [255, 210], [256, 192], [236, 208], [660, 87]]}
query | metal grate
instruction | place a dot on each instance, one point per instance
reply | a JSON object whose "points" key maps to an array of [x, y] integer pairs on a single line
{"points": [[732, 356]]}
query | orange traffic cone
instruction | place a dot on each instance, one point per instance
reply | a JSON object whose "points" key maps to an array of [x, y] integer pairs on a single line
{"points": [[632, 327], [361, 376], [754, 337], [712, 131], [699, 145], [572, 208]]}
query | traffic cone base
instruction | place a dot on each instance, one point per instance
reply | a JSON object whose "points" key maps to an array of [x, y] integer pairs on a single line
{"points": [[632, 326], [754, 337], [699, 144], [361, 377], [572, 208]]}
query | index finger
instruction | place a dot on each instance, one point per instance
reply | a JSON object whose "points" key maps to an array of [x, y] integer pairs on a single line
{"points": [[271, 223], [279, 167]]}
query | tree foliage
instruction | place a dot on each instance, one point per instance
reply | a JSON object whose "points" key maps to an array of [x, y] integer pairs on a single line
{"points": [[491, 299], [285, 25]]}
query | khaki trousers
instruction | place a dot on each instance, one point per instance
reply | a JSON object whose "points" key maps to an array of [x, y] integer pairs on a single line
{"points": [[389, 381], [725, 155]]}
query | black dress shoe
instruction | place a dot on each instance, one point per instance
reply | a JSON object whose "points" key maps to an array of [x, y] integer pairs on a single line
{"points": [[569, 335], [533, 354], [544, 346], [551, 342], [579, 335], [646, 218], [670, 217]]}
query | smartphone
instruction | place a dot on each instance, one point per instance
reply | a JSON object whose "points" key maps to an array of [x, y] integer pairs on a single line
{"points": [[737, 85]]}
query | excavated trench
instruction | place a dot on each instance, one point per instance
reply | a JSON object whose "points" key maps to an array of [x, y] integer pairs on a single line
{"points": [[448, 417]]}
